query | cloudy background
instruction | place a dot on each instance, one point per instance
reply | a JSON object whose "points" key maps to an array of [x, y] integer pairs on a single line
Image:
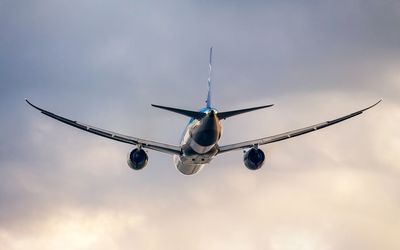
{"points": [[104, 62]]}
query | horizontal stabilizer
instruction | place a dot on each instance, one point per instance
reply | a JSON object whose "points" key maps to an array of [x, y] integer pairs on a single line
{"points": [[227, 114], [189, 113]]}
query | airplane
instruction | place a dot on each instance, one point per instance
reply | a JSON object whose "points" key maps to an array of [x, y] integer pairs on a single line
{"points": [[199, 143]]}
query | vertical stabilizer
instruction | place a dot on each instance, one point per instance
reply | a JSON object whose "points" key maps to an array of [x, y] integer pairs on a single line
{"points": [[208, 101]]}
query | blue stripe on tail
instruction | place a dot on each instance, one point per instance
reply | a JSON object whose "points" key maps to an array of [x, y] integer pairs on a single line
{"points": [[208, 101]]}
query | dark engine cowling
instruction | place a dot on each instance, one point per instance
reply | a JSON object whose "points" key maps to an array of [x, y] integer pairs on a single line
{"points": [[137, 159], [254, 158]]}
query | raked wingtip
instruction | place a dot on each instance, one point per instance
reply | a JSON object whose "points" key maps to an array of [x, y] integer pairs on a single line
{"points": [[372, 105], [377, 103], [32, 105]]}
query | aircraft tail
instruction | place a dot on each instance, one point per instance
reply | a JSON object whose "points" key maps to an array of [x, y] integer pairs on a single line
{"points": [[224, 115], [208, 101], [200, 115]]}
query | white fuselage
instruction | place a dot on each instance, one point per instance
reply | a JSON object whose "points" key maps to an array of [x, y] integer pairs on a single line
{"points": [[199, 143]]}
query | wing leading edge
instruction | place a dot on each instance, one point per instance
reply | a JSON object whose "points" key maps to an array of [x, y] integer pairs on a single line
{"points": [[290, 134], [162, 147]]}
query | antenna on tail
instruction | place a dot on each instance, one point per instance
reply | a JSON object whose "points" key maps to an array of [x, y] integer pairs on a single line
{"points": [[208, 101]]}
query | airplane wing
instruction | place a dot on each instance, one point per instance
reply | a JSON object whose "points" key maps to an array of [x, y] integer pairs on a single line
{"points": [[290, 134], [165, 148]]}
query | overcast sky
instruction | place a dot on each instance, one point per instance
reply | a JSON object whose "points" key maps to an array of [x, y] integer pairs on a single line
{"points": [[104, 62]]}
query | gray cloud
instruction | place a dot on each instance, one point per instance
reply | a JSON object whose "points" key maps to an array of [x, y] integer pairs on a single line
{"points": [[103, 63]]}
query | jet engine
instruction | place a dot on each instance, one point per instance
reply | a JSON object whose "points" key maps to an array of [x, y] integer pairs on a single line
{"points": [[254, 158], [137, 159]]}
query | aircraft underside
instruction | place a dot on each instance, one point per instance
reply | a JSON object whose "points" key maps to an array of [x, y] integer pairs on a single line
{"points": [[199, 144]]}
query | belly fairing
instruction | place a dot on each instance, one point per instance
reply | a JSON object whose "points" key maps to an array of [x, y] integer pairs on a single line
{"points": [[185, 168], [191, 162]]}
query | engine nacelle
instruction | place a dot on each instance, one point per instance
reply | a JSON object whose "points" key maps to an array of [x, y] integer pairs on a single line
{"points": [[137, 159], [254, 158]]}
